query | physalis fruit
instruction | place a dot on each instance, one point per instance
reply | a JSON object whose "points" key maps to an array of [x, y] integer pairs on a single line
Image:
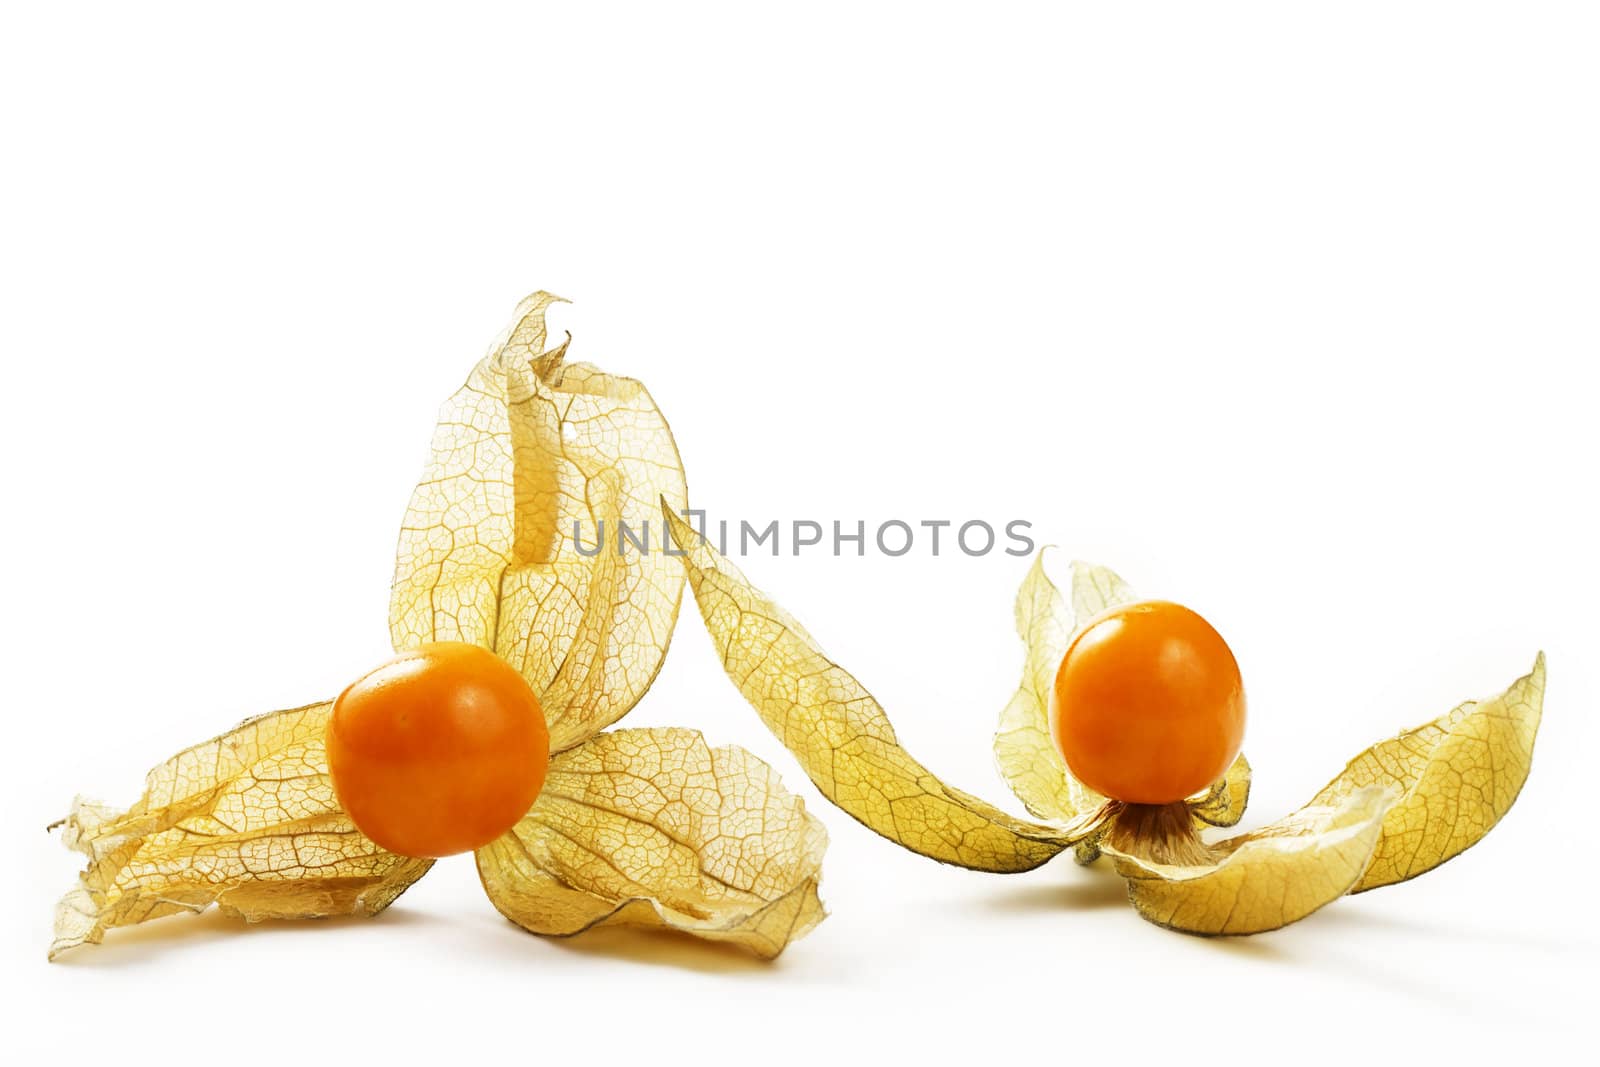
{"points": [[1148, 704], [439, 750]]}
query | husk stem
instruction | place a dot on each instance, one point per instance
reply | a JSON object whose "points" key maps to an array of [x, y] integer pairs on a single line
{"points": [[1160, 833]]}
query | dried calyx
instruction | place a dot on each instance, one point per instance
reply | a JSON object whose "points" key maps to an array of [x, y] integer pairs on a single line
{"points": [[1400, 808]]}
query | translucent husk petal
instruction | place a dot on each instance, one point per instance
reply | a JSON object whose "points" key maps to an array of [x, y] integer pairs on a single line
{"points": [[656, 828], [1224, 803], [515, 538], [1264, 879], [1457, 776], [1024, 751], [1400, 808], [841, 735], [247, 821]]}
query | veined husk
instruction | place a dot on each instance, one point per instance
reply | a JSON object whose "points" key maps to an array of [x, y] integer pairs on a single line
{"points": [[534, 463], [247, 821], [657, 828], [1400, 808]]}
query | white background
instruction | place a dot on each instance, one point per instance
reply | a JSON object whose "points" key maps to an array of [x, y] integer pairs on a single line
{"points": [[1285, 312]]}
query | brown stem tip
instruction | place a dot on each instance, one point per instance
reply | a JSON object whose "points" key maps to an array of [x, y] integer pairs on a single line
{"points": [[1160, 833]]}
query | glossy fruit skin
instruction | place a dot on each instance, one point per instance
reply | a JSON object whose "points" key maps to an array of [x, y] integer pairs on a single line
{"points": [[439, 750], [1148, 705]]}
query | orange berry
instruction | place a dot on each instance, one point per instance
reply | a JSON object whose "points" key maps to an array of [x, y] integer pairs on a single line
{"points": [[1149, 706], [439, 750]]}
